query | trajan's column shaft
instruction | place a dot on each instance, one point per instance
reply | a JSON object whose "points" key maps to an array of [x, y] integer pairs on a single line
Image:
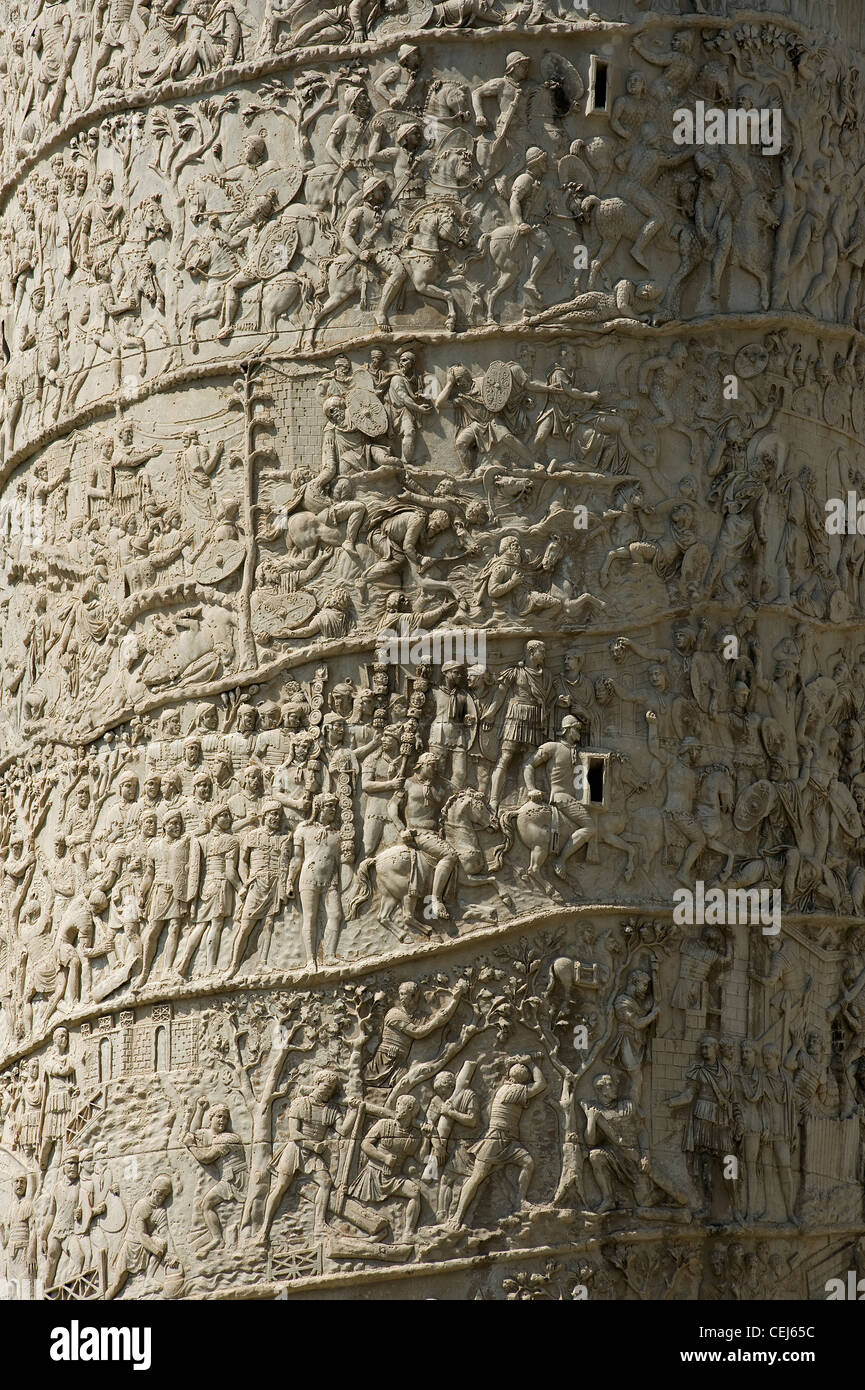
{"points": [[433, 664]]}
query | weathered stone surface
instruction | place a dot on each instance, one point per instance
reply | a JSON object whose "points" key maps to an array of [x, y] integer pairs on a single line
{"points": [[417, 572]]}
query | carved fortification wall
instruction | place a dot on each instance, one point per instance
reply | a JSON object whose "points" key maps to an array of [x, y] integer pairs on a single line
{"points": [[415, 456]]}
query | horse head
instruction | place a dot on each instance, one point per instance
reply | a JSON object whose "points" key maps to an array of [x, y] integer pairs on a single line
{"points": [[152, 216], [197, 259], [455, 227]]}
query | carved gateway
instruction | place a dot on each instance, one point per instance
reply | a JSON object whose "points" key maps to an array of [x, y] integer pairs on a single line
{"points": [[419, 454]]}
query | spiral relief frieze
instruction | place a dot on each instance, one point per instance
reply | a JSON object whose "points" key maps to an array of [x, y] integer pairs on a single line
{"points": [[432, 646]]}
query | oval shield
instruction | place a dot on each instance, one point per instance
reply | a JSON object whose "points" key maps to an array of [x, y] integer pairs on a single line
{"points": [[219, 560], [754, 804], [365, 412], [497, 384], [277, 249]]}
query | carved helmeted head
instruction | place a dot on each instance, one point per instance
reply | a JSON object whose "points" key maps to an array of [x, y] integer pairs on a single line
{"points": [[374, 189], [572, 729], [191, 751], [408, 57], [517, 66], [254, 151], [161, 1189]]}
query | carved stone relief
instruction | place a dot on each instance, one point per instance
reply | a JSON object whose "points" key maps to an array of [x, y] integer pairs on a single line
{"points": [[432, 757]]}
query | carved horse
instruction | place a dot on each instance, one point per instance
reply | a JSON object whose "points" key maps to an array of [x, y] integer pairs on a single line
{"points": [[715, 799], [214, 261], [138, 281], [464, 815], [749, 249], [431, 229], [569, 975], [614, 220], [537, 825], [542, 828], [131, 284], [508, 247], [282, 297]]}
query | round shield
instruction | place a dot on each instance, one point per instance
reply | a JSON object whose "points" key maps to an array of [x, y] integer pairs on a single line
{"points": [[573, 170], [446, 141], [365, 412], [842, 803], [277, 249], [151, 50], [497, 384], [751, 360], [389, 120], [298, 607], [754, 804], [290, 178], [416, 15], [287, 184], [219, 560], [114, 1219]]}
